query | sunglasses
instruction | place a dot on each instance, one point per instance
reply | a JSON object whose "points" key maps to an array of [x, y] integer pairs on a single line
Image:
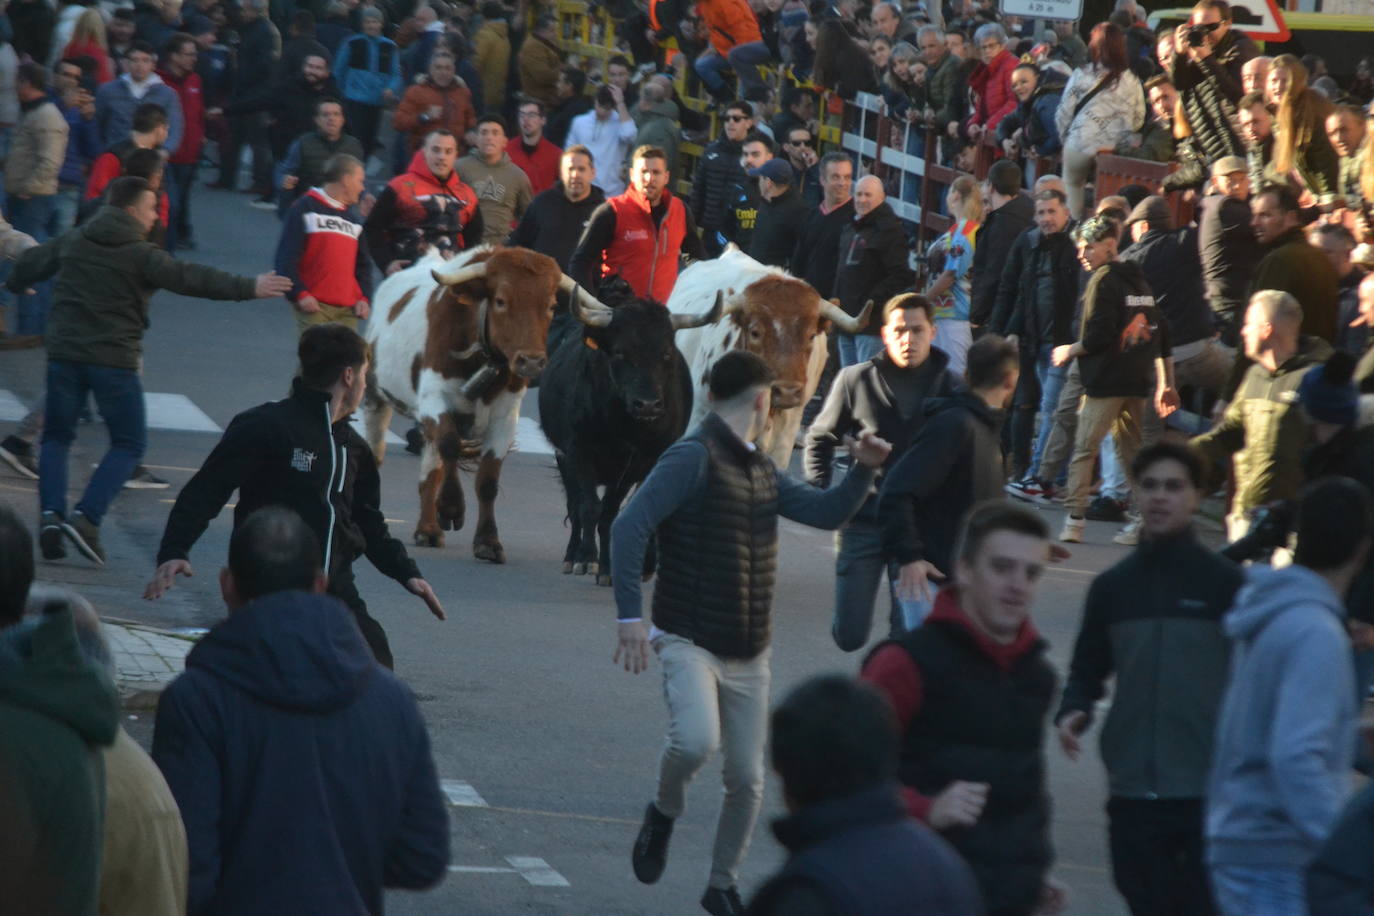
{"points": [[736, 117]]}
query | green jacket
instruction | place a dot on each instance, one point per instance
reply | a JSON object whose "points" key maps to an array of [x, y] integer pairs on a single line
{"points": [[1266, 429], [1302, 270], [658, 126], [942, 89], [56, 711], [106, 273]]}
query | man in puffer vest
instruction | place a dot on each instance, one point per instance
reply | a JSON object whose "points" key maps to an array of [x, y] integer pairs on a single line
{"points": [[971, 689], [714, 501]]}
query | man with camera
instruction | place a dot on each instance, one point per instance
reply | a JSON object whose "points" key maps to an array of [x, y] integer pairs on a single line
{"points": [[1208, 55]]}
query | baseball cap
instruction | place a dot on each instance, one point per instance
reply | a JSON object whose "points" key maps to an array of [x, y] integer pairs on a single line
{"points": [[1153, 210], [775, 170], [1227, 165]]}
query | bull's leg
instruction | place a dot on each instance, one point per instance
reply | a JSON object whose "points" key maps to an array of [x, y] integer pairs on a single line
{"points": [[427, 531], [376, 419], [486, 543], [610, 507], [450, 508], [570, 496], [588, 511]]}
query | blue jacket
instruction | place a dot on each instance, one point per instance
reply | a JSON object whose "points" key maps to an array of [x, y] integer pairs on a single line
{"points": [[83, 144], [115, 105], [365, 67], [301, 767], [1286, 736]]}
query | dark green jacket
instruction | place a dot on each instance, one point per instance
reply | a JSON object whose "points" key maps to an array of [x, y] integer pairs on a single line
{"points": [[943, 85], [106, 273], [1154, 621], [1265, 428], [56, 712], [1302, 270]]}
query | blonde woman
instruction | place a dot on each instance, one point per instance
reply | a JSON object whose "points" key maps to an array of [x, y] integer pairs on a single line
{"points": [[1300, 142], [88, 40], [950, 258]]}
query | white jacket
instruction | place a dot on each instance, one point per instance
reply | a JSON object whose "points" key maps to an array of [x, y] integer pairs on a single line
{"points": [[1109, 116]]}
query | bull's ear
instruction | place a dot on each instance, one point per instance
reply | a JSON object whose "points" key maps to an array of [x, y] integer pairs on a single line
{"points": [[824, 326]]}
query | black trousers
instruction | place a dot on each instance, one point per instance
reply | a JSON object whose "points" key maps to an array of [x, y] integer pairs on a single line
{"points": [[364, 122], [346, 591], [1158, 861]]}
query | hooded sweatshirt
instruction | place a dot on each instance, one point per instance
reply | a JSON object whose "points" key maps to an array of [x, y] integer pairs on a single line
{"points": [[56, 710], [302, 768], [106, 273], [419, 212], [1286, 736], [1123, 333]]}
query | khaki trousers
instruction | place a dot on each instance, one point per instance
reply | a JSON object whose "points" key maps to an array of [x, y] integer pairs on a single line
{"points": [[327, 314], [1097, 417], [715, 702]]}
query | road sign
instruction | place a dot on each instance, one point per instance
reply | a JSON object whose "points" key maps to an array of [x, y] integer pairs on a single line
{"points": [[1043, 9], [1260, 19]]}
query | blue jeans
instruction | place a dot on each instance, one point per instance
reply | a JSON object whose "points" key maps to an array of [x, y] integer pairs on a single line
{"points": [[859, 569], [1052, 380], [119, 398], [1114, 482], [68, 204], [181, 178], [1253, 890], [858, 348], [743, 59], [38, 217]]}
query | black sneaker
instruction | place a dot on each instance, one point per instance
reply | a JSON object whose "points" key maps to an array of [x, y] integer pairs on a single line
{"points": [[722, 902], [650, 854], [85, 536], [19, 455], [50, 536], [144, 479], [1106, 509]]}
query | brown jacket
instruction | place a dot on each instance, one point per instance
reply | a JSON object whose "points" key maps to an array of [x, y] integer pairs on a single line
{"points": [[412, 114], [37, 149], [143, 868], [491, 55], [540, 62]]}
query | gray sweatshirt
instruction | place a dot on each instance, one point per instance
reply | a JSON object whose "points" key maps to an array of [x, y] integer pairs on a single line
{"points": [[679, 477], [1286, 736]]}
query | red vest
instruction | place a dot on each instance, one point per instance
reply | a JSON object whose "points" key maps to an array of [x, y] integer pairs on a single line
{"points": [[645, 255]]}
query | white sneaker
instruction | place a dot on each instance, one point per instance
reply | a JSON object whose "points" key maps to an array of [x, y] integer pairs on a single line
{"points": [[1073, 531], [1130, 535]]}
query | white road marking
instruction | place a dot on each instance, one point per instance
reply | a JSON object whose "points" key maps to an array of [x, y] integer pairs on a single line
{"points": [[175, 411], [462, 794], [529, 438], [534, 870], [11, 408], [391, 438]]}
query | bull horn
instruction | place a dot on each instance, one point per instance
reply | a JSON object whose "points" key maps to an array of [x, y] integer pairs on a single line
{"points": [[568, 285], [849, 324], [681, 322], [597, 316], [452, 275]]}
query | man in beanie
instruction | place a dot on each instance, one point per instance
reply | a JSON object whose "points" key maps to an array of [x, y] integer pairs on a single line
{"points": [[1170, 258], [1263, 427]]}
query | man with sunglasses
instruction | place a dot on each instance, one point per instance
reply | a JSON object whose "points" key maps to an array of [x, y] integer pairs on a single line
{"points": [[1208, 56], [717, 172], [796, 146]]}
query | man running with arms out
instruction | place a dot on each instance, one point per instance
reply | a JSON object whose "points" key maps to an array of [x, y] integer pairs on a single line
{"points": [[301, 452], [714, 500]]}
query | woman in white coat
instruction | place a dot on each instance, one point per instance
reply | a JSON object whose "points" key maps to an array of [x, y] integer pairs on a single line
{"points": [[1102, 104]]}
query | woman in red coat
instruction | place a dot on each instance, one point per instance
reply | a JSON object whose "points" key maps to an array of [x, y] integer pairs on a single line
{"points": [[990, 81], [88, 40]]}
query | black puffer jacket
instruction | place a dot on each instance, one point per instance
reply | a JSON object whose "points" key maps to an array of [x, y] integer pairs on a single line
{"points": [[993, 244], [873, 264], [716, 173], [719, 556], [1038, 290], [1210, 89], [1123, 333]]}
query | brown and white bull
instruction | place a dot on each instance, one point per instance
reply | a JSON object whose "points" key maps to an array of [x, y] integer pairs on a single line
{"points": [[454, 345], [769, 313]]}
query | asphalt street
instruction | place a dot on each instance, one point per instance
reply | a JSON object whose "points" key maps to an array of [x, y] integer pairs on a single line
{"points": [[550, 751]]}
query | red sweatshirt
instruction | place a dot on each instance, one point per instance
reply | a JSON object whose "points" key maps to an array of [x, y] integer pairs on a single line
{"points": [[893, 671]]}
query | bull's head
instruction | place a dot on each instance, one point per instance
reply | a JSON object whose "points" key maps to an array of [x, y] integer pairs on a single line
{"points": [[637, 339], [518, 288], [778, 319]]}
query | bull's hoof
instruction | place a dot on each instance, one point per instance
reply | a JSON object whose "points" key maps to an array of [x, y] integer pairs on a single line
{"points": [[603, 579], [491, 551], [567, 567], [429, 539]]}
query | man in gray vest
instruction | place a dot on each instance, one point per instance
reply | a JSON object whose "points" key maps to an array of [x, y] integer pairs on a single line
{"points": [[714, 500]]}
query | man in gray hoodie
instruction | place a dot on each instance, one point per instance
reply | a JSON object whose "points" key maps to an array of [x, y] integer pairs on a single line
{"points": [[1286, 737]]}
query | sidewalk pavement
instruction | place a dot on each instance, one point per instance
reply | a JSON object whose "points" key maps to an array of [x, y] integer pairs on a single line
{"points": [[146, 659]]}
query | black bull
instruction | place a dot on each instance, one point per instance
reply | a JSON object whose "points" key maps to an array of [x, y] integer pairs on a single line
{"points": [[611, 400]]}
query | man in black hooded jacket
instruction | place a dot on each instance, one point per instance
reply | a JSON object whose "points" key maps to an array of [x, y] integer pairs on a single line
{"points": [[301, 452]]}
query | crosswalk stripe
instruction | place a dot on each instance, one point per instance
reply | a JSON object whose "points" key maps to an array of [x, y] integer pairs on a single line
{"points": [[11, 408], [461, 794], [529, 438], [361, 427], [176, 411]]}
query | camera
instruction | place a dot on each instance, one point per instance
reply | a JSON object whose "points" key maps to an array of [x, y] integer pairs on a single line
{"points": [[1198, 33]]}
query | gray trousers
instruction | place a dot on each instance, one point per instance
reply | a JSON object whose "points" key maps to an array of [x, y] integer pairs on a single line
{"points": [[860, 568]]}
